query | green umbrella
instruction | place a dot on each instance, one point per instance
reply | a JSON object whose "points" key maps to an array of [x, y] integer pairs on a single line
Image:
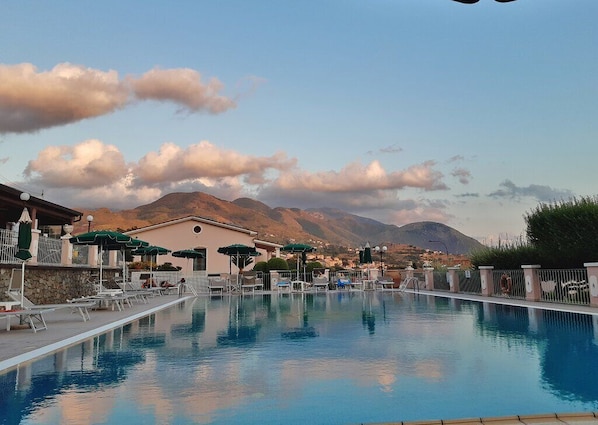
{"points": [[241, 253], [188, 253], [151, 250], [296, 248], [23, 244], [105, 240], [367, 256]]}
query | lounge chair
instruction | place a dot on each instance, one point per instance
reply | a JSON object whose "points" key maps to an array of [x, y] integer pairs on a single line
{"points": [[14, 292], [343, 283], [33, 317], [320, 283]]}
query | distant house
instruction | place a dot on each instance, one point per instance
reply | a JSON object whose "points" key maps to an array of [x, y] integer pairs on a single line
{"points": [[206, 236]]}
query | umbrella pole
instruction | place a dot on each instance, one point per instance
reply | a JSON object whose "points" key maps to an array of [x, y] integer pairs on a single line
{"points": [[22, 284]]}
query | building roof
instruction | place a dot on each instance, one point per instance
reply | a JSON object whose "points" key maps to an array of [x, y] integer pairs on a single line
{"points": [[46, 213], [196, 219]]}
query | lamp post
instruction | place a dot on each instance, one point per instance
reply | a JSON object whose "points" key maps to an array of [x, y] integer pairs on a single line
{"points": [[445, 248], [381, 250], [89, 220]]}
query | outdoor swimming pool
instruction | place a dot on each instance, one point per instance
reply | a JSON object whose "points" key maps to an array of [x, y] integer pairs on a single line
{"points": [[335, 358]]}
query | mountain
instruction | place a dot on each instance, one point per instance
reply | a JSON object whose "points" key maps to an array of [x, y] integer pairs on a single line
{"points": [[281, 225]]}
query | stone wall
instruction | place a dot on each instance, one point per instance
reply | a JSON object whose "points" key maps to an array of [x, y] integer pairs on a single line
{"points": [[52, 285]]}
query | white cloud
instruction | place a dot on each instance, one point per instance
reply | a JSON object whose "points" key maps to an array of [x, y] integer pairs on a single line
{"points": [[32, 100]]}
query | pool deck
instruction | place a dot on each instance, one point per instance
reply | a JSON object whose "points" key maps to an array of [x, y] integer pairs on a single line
{"points": [[65, 328]]}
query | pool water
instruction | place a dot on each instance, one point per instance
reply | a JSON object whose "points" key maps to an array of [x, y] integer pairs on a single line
{"points": [[327, 358]]}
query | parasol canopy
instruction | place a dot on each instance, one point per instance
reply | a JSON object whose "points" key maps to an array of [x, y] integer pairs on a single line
{"points": [[241, 255], [299, 248], [189, 254], [23, 244], [151, 250], [105, 240]]}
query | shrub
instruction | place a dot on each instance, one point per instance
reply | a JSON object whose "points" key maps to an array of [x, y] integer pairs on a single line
{"points": [[276, 263]]}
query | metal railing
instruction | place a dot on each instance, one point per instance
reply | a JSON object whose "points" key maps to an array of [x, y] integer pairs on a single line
{"points": [[49, 250], [565, 286], [8, 246]]}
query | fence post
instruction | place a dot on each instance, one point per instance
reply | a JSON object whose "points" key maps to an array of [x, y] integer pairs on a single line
{"points": [[453, 279], [92, 255], [486, 280], [429, 276], [66, 250], [592, 269], [34, 247], [533, 288], [113, 258]]}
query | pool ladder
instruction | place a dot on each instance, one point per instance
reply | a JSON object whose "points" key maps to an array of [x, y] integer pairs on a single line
{"points": [[407, 281]]}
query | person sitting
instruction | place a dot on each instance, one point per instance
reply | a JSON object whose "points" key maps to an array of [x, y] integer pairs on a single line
{"points": [[506, 284], [166, 284]]}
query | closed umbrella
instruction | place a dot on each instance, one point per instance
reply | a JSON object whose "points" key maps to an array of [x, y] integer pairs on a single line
{"points": [[23, 244], [105, 240], [299, 248], [367, 256]]}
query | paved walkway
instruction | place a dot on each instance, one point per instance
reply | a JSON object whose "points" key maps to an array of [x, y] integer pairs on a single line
{"points": [[65, 328]]}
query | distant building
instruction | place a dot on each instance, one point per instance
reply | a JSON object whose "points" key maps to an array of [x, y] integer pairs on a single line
{"points": [[206, 236]]}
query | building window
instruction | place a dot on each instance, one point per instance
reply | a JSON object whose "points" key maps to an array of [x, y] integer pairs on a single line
{"points": [[197, 229], [199, 264]]}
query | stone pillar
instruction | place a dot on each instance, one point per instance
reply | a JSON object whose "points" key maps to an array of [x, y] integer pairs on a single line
{"points": [[453, 279], [486, 280], [66, 250], [113, 258], [34, 247], [429, 276], [92, 255], [533, 289], [409, 271], [592, 269]]}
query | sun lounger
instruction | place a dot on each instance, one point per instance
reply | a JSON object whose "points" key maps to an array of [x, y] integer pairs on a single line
{"points": [[32, 317], [15, 294], [320, 283]]}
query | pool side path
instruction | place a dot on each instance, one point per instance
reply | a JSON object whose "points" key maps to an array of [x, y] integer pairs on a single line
{"points": [[66, 328]]}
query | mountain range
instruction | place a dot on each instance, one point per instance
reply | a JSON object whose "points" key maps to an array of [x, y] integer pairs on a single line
{"points": [[283, 225]]}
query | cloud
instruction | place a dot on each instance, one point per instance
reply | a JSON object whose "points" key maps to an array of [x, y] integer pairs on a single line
{"points": [[182, 86], [31, 100], [463, 175], [87, 165], [541, 193], [357, 178], [94, 174], [205, 160]]}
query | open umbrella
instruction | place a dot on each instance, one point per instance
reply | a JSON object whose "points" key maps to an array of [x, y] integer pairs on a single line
{"points": [[23, 244], [299, 248], [188, 254], [241, 253], [151, 250], [105, 240]]}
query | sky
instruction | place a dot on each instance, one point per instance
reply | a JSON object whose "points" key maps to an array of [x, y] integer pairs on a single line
{"points": [[397, 110]]}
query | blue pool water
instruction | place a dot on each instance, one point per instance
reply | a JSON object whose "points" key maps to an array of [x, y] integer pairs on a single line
{"points": [[336, 358]]}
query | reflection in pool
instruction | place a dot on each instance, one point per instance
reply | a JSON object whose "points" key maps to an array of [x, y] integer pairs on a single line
{"points": [[326, 358]]}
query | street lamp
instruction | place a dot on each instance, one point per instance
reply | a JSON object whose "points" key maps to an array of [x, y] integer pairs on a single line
{"points": [[89, 220], [445, 248], [381, 250]]}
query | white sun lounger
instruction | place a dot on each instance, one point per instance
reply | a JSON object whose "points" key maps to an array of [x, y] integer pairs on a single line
{"points": [[33, 317]]}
